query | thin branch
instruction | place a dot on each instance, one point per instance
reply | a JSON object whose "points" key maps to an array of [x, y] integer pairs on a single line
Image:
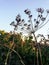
{"points": [[42, 26]]}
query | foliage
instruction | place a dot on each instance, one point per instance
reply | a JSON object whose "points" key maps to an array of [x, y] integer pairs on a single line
{"points": [[25, 50]]}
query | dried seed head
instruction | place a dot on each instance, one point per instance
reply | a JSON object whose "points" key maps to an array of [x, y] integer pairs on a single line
{"points": [[40, 10], [27, 11], [47, 11]]}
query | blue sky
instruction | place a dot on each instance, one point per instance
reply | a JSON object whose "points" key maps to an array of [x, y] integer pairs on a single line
{"points": [[10, 8]]}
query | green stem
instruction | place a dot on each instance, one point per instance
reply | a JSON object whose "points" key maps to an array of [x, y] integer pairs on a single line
{"points": [[15, 53], [7, 57], [40, 56]]}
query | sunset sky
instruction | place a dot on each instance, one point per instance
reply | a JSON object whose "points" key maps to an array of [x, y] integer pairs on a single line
{"points": [[10, 8]]}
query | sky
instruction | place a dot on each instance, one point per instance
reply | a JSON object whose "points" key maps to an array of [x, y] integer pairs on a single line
{"points": [[10, 8]]}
